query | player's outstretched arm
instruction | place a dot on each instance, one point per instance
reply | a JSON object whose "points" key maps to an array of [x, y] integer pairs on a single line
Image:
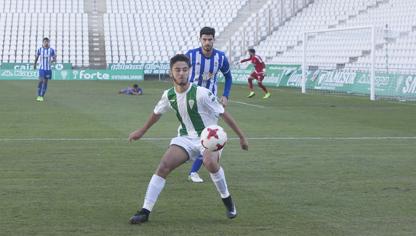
{"points": [[227, 88], [137, 134], [233, 125], [244, 60], [225, 70], [36, 62]]}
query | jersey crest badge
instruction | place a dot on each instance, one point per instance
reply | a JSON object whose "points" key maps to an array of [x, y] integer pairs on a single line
{"points": [[191, 103]]}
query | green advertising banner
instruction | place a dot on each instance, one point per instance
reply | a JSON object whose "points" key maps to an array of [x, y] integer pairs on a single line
{"points": [[155, 68], [107, 75], [386, 85], [274, 74], [25, 71], [33, 74], [73, 75], [283, 75], [239, 76], [392, 84], [18, 74], [63, 71], [29, 66], [405, 85]]}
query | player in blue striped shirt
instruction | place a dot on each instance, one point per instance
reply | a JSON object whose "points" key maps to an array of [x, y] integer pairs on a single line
{"points": [[47, 56], [206, 62]]}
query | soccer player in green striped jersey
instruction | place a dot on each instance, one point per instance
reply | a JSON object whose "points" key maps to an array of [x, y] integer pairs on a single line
{"points": [[195, 107]]}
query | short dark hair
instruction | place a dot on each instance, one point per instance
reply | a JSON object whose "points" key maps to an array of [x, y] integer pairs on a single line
{"points": [[179, 57], [208, 31], [251, 50], [135, 85], [46, 38]]}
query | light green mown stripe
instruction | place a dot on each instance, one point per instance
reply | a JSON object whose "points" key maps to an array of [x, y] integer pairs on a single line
{"points": [[193, 110], [174, 103]]}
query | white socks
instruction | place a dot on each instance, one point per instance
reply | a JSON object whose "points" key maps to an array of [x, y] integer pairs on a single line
{"points": [[157, 183], [154, 188], [219, 181]]}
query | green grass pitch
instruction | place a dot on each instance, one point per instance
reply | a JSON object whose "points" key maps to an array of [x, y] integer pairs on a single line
{"points": [[317, 164]]}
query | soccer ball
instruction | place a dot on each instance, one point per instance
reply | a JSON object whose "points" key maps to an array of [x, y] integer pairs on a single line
{"points": [[213, 138]]}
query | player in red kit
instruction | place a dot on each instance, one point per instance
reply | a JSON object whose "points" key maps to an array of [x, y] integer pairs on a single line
{"points": [[258, 73]]}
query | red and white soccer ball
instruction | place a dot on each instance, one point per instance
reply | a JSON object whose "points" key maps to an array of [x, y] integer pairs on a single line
{"points": [[213, 138]]}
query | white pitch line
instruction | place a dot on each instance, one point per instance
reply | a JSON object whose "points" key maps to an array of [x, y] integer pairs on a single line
{"points": [[254, 138], [77, 139], [331, 138], [248, 104]]}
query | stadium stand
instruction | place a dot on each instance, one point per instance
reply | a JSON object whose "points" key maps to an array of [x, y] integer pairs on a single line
{"points": [[284, 45], [322, 14], [261, 24], [143, 31], [400, 52], [148, 31], [24, 24]]}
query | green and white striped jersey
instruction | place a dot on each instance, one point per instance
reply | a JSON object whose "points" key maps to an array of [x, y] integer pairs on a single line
{"points": [[195, 109]]}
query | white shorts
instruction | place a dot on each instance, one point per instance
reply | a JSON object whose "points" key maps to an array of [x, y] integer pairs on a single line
{"points": [[191, 145]]}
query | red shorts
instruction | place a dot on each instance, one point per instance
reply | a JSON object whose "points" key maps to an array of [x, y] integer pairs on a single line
{"points": [[257, 76]]}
